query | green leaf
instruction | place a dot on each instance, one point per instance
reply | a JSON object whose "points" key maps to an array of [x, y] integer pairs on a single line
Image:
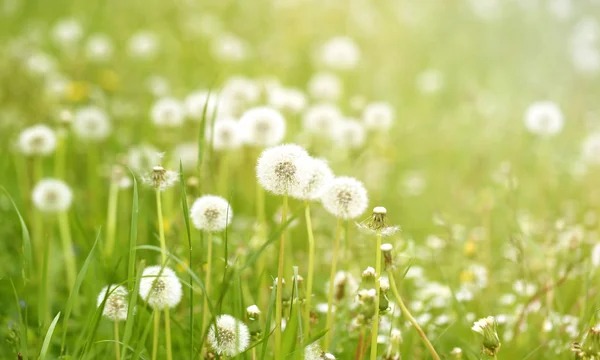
{"points": [[49, 333]]}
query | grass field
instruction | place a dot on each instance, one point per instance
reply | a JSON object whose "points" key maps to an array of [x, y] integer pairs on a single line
{"points": [[160, 173]]}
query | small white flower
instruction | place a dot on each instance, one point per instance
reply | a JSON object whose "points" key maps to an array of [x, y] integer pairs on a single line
{"points": [[167, 112], [37, 140], [325, 86], [316, 175], [345, 198], [99, 47], [143, 45], [262, 126], [160, 287], [227, 135], [91, 124], [322, 119], [52, 196], [231, 337], [340, 53], [544, 118], [378, 116], [277, 168], [211, 213], [116, 305], [67, 32]]}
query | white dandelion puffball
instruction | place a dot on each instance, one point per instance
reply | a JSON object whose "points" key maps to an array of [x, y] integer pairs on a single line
{"points": [[430, 81], [349, 134], [325, 86], [143, 45], [160, 178], [287, 99], [378, 116], [67, 32], [187, 154], [40, 63], [116, 305], [262, 126], [227, 135], [277, 168], [229, 47], [238, 93], [585, 58], [37, 140], [52, 196], [167, 112], [211, 213], [142, 158], [158, 86], [231, 336], [160, 287], [316, 175], [591, 149], [91, 123], [313, 352], [322, 119], [544, 118], [340, 53], [196, 102], [345, 198], [99, 47]]}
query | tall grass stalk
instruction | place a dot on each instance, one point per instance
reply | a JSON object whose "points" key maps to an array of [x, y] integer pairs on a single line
{"points": [[111, 219], [311, 265], [375, 327], [280, 267], [116, 330], [161, 228], [155, 334], [67, 248], [330, 313], [207, 280], [168, 334]]}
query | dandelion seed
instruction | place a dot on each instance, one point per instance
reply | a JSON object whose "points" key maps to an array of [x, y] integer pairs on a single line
{"points": [[52, 196], [160, 179], [277, 168], [316, 174], [116, 305], [211, 213], [231, 337], [378, 116], [167, 113], [544, 118], [91, 124], [37, 140], [345, 198], [262, 126], [160, 287]]}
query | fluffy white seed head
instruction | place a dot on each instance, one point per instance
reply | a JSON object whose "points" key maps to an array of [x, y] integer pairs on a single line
{"points": [[91, 124], [37, 140], [378, 116], [262, 126], [316, 174], [52, 196], [196, 102], [313, 352], [227, 135], [277, 168], [67, 32], [481, 324], [287, 99], [325, 86], [187, 154], [116, 305], [239, 93], [322, 119], [345, 198], [544, 118], [167, 112], [340, 53], [231, 336], [140, 158], [349, 134], [160, 178], [160, 287], [229, 48], [99, 48], [211, 213], [143, 45]]}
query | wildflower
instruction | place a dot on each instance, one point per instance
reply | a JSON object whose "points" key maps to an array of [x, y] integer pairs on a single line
{"points": [[262, 126], [91, 123], [99, 47], [253, 313], [161, 179], [456, 353], [277, 168], [115, 307], [325, 86], [160, 287], [231, 336], [378, 116], [345, 198], [67, 32], [186, 154], [488, 328], [238, 93], [211, 213], [377, 222], [52, 196], [143, 45], [340, 53], [37, 140], [349, 133], [316, 175], [167, 112], [544, 118], [322, 119], [226, 135]]}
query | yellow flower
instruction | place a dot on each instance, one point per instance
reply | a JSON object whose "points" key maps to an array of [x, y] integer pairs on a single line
{"points": [[470, 247], [109, 80], [466, 276], [77, 91]]}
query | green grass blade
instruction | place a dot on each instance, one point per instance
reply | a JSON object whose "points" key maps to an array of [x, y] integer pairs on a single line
{"points": [[49, 333], [131, 315], [186, 217], [265, 340], [26, 245], [22, 326], [133, 234]]}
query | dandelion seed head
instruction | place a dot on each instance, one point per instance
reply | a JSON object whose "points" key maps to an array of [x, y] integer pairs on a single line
{"points": [[325, 86], [277, 168], [160, 178], [322, 119], [345, 198], [37, 140], [340, 53], [52, 196], [315, 175], [211, 213], [160, 287], [238, 94], [262, 126], [349, 133], [229, 47], [167, 112], [227, 135], [116, 305], [67, 32], [142, 157], [198, 101], [378, 116], [231, 336], [99, 47], [544, 118], [185, 154], [143, 45], [91, 123], [313, 352], [287, 99]]}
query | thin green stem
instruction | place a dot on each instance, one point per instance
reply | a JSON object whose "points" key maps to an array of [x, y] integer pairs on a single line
{"points": [[375, 328], [155, 335], [224, 174], [161, 228], [116, 328], [111, 219], [207, 281], [409, 316], [67, 247], [280, 267], [168, 334], [37, 223], [329, 322], [311, 262]]}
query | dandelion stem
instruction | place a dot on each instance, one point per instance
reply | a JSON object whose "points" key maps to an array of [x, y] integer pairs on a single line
{"points": [[67, 247], [155, 335], [224, 174], [207, 282], [375, 328], [336, 249], [278, 301], [116, 327], [161, 228], [168, 334], [111, 219], [311, 262], [409, 316]]}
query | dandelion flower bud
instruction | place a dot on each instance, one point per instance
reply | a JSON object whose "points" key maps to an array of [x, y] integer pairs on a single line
{"points": [[378, 116], [345, 198], [456, 353], [253, 311], [226, 135], [115, 307], [37, 140], [277, 168], [52, 196], [160, 287], [161, 179], [316, 175], [488, 328], [544, 118], [262, 126], [386, 250], [322, 119], [340, 53], [167, 113], [231, 336], [91, 124], [211, 213]]}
